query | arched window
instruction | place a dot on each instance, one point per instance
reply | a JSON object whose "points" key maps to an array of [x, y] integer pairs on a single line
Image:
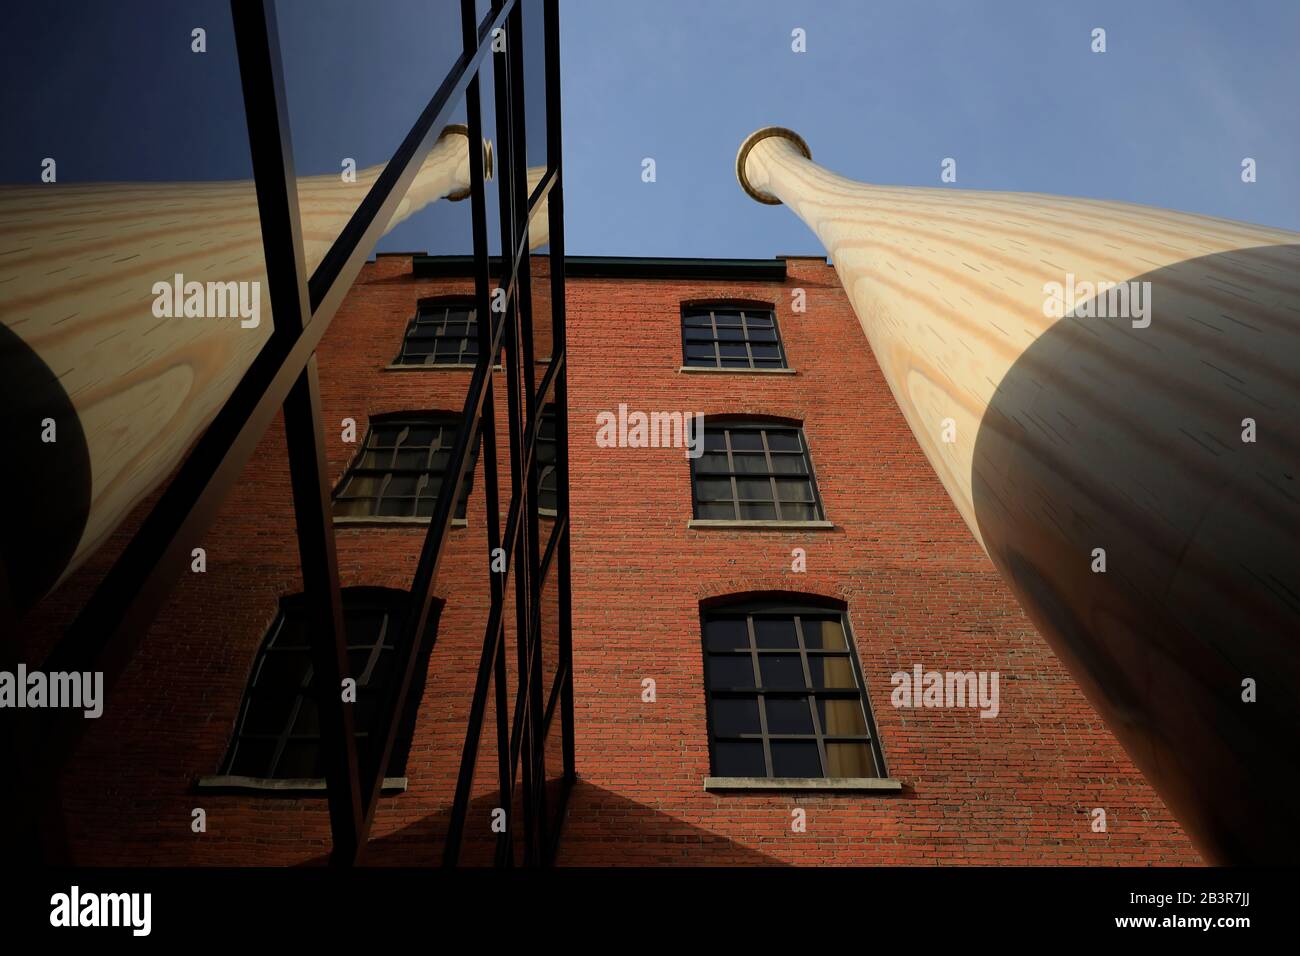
{"points": [[277, 733], [731, 336], [785, 692]]}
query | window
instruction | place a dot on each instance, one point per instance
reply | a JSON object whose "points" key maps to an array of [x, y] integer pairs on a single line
{"points": [[400, 469], [277, 734], [442, 333], [547, 497], [785, 695], [751, 471], [743, 337]]}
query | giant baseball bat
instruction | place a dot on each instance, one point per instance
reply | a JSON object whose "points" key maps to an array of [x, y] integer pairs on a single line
{"points": [[1110, 395], [129, 391]]}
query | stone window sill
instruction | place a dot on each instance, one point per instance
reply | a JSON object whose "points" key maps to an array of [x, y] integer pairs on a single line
{"points": [[828, 784], [710, 370], [301, 785]]}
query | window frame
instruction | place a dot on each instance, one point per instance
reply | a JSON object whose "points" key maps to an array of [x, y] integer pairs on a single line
{"points": [[470, 339], [750, 422], [795, 607], [393, 603], [425, 419], [744, 308]]}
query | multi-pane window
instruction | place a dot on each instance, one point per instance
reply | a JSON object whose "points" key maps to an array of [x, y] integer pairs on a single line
{"points": [[754, 471], [442, 333], [401, 469], [547, 499], [277, 734], [785, 695], [740, 337]]}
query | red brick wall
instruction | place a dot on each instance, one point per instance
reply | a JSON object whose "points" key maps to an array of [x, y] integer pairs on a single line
{"points": [[129, 791], [1014, 789]]}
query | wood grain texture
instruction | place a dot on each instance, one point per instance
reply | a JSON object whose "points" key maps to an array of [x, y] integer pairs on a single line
{"points": [[1081, 432], [539, 227], [77, 267]]}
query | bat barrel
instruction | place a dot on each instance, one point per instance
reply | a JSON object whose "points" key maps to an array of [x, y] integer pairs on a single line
{"points": [[82, 343], [1108, 393]]}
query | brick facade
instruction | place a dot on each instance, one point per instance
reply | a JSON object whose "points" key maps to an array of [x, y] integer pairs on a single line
{"points": [[1015, 789]]}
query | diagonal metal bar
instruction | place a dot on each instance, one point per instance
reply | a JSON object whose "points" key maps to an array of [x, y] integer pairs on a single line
{"points": [[333, 277], [414, 627]]}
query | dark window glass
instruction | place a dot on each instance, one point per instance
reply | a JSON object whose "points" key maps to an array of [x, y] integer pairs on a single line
{"points": [[726, 634], [277, 734], [785, 695], [795, 758], [739, 337], [739, 758], [441, 334], [754, 472], [400, 469], [547, 496], [734, 716]]}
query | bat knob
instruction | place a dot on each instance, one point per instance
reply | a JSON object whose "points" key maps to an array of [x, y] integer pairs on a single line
{"points": [[752, 140]]}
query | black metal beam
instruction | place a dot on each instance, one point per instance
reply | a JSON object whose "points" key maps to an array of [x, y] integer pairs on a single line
{"points": [[527, 584], [492, 660], [328, 633], [270, 142], [559, 346]]}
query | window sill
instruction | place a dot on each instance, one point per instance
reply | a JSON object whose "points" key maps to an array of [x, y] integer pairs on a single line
{"points": [[382, 521], [301, 785], [760, 525], [831, 784], [435, 368], [710, 370]]}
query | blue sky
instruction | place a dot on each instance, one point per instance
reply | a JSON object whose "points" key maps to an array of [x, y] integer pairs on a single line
{"points": [[884, 92]]}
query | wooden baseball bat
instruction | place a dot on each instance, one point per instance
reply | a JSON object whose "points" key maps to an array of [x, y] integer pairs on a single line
{"points": [[129, 391], [1128, 455]]}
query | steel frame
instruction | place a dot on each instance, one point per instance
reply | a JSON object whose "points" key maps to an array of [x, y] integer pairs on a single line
{"points": [[108, 628]]}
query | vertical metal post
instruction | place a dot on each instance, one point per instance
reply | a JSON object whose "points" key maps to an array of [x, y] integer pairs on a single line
{"points": [[266, 109], [529, 585], [559, 314]]}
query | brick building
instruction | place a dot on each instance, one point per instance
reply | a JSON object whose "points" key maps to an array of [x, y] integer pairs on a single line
{"points": [[700, 766]]}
